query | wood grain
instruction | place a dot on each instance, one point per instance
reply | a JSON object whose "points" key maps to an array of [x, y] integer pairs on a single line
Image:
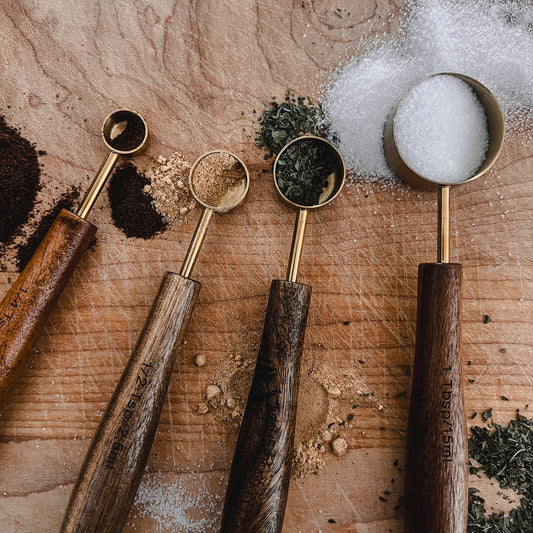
{"points": [[191, 69], [115, 462], [26, 306], [261, 468], [437, 451]]}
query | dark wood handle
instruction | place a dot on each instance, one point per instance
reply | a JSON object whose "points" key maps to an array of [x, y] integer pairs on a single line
{"points": [[25, 308], [115, 462], [261, 468], [436, 464]]}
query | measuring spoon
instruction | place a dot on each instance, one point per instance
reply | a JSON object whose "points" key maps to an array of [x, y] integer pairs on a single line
{"points": [[116, 459], [437, 453], [260, 472], [26, 306]]}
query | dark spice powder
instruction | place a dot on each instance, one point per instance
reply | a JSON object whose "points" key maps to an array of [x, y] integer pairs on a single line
{"points": [[19, 181], [131, 208], [131, 137], [25, 251]]}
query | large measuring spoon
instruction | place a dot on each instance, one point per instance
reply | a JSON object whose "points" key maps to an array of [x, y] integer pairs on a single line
{"points": [[436, 463], [260, 472], [116, 459], [26, 306]]}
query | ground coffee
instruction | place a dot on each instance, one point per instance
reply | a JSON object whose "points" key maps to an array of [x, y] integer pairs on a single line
{"points": [[131, 137], [19, 181], [131, 208]]}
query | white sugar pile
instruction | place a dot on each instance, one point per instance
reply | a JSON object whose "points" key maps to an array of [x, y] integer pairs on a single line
{"points": [[489, 41], [440, 129]]}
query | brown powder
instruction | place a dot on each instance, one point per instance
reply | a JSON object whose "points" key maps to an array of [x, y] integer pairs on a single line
{"points": [[131, 137], [215, 175], [169, 189]]}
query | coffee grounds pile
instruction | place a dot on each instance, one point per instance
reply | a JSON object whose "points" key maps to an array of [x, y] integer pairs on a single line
{"points": [[131, 207], [131, 137], [25, 251], [19, 181]]}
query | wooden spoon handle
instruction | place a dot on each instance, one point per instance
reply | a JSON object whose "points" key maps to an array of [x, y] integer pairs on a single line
{"points": [[26, 306], [260, 472], [436, 464], [115, 462]]}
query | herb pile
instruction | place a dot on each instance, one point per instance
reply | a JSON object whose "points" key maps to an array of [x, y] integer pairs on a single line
{"points": [[505, 454], [303, 170], [282, 123]]}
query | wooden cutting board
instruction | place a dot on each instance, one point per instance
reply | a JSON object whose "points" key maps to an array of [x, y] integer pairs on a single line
{"points": [[200, 73]]}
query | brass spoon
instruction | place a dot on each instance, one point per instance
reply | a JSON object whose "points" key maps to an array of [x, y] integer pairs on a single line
{"points": [[436, 496], [26, 306], [260, 472], [116, 459]]}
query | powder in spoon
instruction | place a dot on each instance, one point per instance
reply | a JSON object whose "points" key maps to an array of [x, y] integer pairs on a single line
{"points": [[19, 181], [215, 176], [440, 129], [132, 135]]}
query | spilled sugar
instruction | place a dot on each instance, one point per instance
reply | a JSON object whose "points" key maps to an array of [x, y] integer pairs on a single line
{"points": [[440, 129], [489, 41]]}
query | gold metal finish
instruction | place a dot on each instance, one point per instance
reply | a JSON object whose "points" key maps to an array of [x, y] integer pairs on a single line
{"points": [[443, 241], [335, 184], [228, 202], [196, 243], [297, 245], [113, 125], [97, 184]]}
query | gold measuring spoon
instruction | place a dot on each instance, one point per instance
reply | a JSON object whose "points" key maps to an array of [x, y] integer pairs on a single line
{"points": [[116, 459], [260, 472], [26, 306], [436, 496]]}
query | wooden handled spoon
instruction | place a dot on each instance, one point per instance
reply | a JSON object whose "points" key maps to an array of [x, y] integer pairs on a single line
{"points": [[116, 459], [260, 472], [26, 306], [436, 462]]}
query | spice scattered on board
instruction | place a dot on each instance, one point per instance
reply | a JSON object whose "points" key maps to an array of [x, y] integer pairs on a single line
{"points": [[169, 188], [132, 135], [503, 454], [19, 181], [131, 207], [282, 123], [215, 176]]}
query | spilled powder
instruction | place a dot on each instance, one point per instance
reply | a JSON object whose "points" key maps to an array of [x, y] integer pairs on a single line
{"points": [[169, 188], [489, 41], [440, 129], [328, 403]]}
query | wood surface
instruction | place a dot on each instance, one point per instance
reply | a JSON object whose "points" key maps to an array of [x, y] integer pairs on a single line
{"points": [[192, 69], [261, 468], [24, 309], [116, 459], [437, 452]]}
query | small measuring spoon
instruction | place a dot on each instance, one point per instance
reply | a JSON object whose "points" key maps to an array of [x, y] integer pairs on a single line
{"points": [[26, 306], [116, 459], [260, 472], [436, 464]]}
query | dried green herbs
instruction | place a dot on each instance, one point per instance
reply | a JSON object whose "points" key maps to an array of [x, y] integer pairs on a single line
{"points": [[303, 170], [282, 123], [506, 454]]}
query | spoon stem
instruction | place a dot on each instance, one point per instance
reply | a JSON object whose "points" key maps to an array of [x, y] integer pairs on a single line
{"points": [[297, 245], [443, 243], [196, 243]]}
